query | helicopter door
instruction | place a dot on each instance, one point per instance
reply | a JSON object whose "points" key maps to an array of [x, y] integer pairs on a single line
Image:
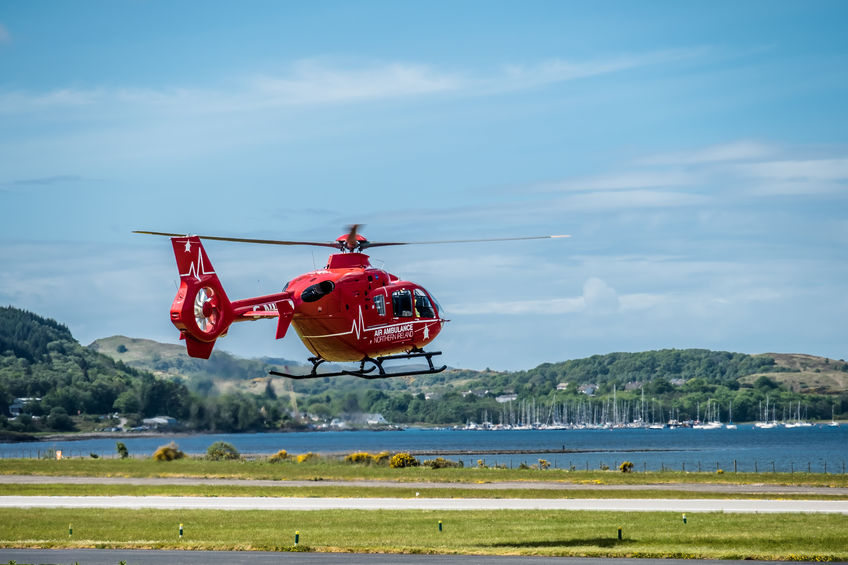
{"points": [[423, 307], [402, 304]]}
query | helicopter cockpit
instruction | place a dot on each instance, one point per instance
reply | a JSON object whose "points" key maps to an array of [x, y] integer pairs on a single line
{"points": [[413, 303]]}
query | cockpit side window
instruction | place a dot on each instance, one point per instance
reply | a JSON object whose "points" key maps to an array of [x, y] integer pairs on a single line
{"points": [[423, 306], [402, 303], [380, 304]]}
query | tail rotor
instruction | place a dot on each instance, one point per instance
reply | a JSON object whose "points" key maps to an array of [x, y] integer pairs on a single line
{"points": [[201, 310]]}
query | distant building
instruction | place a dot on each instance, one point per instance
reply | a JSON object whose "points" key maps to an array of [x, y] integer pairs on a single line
{"points": [[562, 386], [506, 397], [588, 389], [159, 422], [17, 405], [633, 385], [358, 420], [677, 382]]}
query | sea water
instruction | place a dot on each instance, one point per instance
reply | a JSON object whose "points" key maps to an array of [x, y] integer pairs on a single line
{"points": [[819, 448]]}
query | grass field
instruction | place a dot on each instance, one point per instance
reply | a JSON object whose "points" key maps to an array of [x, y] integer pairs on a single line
{"points": [[334, 470], [364, 491], [786, 537], [653, 534]]}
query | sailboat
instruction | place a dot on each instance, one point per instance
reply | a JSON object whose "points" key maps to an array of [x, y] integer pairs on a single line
{"points": [[833, 423], [730, 425], [765, 424]]}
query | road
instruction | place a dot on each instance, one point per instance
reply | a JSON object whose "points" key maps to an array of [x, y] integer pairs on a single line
{"points": [[165, 557], [293, 503]]}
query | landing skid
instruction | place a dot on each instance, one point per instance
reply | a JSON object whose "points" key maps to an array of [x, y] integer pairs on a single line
{"points": [[376, 365]]}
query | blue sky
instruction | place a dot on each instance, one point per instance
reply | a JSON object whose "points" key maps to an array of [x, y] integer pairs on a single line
{"points": [[696, 152]]}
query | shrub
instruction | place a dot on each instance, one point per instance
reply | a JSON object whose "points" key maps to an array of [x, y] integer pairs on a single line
{"points": [[359, 458], [94, 455], [401, 460], [625, 467], [168, 452], [382, 458], [122, 450], [307, 457], [222, 451], [281, 455], [440, 463]]}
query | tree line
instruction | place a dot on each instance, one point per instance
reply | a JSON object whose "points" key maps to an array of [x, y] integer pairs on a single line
{"points": [[39, 359]]}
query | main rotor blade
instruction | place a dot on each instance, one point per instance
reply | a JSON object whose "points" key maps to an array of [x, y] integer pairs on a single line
{"points": [[383, 244], [351, 237], [244, 240]]}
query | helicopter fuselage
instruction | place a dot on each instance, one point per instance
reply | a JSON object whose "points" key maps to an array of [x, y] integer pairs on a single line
{"points": [[350, 310]]}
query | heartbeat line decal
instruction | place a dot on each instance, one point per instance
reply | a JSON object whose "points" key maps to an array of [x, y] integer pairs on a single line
{"points": [[387, 332], [196, 267]]}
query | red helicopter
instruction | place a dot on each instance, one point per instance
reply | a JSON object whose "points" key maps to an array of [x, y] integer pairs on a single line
{"points": [[348, 311]]}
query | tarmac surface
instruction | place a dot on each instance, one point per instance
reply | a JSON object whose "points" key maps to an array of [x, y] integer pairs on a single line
{"points": [[168, 557], [315, 503]]}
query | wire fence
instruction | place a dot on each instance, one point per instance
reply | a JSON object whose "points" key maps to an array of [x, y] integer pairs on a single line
{"points": [[716, 465]]}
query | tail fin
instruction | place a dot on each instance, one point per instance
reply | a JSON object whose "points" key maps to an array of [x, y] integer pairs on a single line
{"points": [[201, 310]]}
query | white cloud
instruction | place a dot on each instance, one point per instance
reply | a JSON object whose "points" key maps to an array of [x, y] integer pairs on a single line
{"points": [[742, 150], [627, 199], [787, 177], [312, 83], [622, 181], [597, 298], [558, 70], [316, 82]]}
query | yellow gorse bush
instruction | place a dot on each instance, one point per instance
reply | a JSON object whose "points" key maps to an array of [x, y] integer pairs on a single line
{"points": [[281, 455]]}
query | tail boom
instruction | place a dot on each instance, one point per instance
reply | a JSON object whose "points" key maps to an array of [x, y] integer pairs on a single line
{"points": [[201, 310]]}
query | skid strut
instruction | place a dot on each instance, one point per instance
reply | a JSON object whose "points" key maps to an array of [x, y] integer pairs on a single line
{"points": [[376, 364]]}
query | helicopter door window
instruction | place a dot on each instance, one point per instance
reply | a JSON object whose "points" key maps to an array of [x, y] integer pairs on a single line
{"points": [[422, 305], [402, 303], [380, 304]]}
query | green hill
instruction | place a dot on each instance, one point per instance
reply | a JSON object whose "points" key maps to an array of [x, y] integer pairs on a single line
{"points": [[59, 385], [170, 360]]}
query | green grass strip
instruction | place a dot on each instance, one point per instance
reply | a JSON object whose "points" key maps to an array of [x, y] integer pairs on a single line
{"points": [[328, 469], [559, 533], [364, 491]]}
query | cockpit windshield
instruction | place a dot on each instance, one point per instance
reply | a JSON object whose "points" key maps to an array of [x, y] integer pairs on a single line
{"points": [[423, 307]]}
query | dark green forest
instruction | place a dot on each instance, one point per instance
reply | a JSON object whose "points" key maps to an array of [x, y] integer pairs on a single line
{"points": [[40, 359], [78, 387]]}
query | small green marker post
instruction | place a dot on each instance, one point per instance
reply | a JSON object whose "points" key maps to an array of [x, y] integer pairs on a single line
{"points": [[619, 533], [684, 518], [181, 531], [440, 525], [70, 530], [296, 538]]}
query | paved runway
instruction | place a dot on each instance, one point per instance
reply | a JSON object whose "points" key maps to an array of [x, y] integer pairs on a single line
{"points": [[290, 503], [167, 557]]}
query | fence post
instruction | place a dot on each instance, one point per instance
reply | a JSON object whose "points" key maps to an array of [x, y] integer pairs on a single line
{"points": [[734, 465]]}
